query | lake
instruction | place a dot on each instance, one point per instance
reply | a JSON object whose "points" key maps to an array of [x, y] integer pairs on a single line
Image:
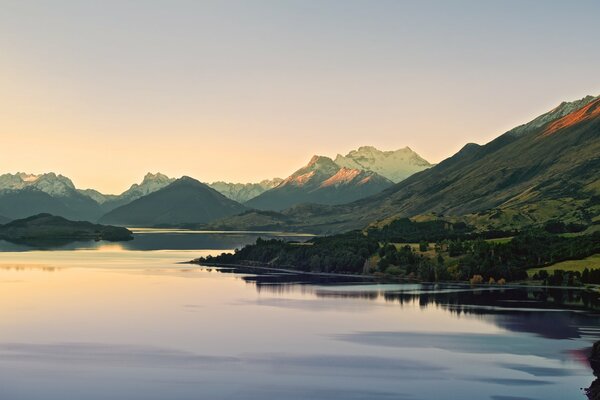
{"points": [[128, 321]]}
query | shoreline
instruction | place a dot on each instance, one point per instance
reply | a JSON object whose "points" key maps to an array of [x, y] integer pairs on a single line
{"points": [[288, 270], [388, 279]]}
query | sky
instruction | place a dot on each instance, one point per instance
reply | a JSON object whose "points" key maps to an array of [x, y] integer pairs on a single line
{"points": [[105, 91]]}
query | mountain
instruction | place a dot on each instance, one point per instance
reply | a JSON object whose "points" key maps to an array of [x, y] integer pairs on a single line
{"points": [[242, 192], [51, 227], [184, 201], [151, 183], [394, 165], [4, 220], [321, 181], [22, 195], [98, 197], [50, 183]]}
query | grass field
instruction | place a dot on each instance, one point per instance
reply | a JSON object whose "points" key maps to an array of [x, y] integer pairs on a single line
{"points": [[592, 262]]}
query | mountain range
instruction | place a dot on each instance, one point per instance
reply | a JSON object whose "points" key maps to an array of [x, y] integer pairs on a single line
{"points": [[22, 194]]}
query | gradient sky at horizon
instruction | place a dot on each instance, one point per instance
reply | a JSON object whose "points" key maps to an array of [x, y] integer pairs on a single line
{"points": [[104, 91]]}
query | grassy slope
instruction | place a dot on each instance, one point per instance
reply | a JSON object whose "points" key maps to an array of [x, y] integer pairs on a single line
{"points": [[592, 262]]}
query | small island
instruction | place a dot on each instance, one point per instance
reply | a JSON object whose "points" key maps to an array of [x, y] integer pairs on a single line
{"points": [[51, 227]]}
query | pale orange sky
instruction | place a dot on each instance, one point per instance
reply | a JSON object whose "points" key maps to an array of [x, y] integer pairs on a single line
{"points": [[242, 91]]}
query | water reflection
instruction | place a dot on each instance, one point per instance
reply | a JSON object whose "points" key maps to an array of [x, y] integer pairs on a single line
{"points": [[157, 239], [28, 267], [549, 313]]}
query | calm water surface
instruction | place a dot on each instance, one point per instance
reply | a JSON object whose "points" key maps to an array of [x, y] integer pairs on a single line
{"points": [[109, 321]]}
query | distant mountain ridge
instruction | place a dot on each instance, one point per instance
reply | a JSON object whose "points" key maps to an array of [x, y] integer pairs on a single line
{"points": [[242, 192], [394, 165], [320, 181]]}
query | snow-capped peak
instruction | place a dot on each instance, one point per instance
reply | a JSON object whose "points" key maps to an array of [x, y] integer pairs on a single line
{"points": [[394, 165], [51, 183], [150, 183]]}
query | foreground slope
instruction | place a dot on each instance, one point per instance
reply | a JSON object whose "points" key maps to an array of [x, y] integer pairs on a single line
{"points": [[540, 171], [185, 201], [321, 181]]}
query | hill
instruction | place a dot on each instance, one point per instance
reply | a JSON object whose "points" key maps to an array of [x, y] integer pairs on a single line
{"points": [[51, 227], [185, 201]]}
